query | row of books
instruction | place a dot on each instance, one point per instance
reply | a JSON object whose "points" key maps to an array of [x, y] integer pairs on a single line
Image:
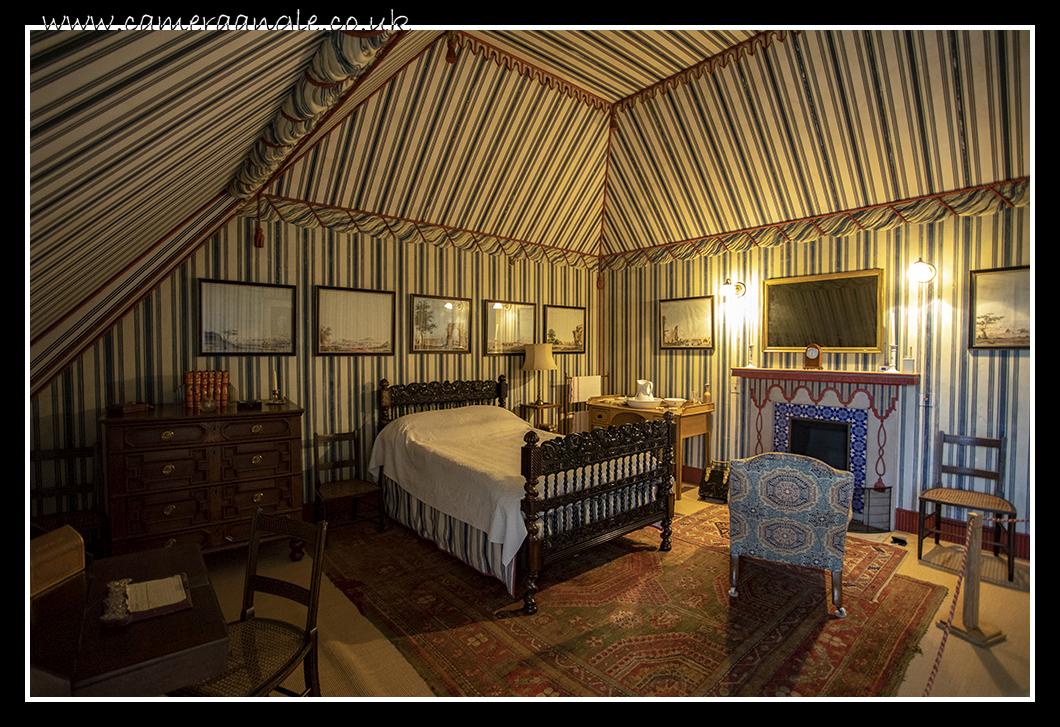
{"points": [[199, 385]]}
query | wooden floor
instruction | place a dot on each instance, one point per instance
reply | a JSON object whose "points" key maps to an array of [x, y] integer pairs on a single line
{"points": [[357, 661]]}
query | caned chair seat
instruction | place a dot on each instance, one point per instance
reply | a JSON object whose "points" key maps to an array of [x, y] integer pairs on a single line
{"points": [[970, 500], [261, 653], [346, 488]]}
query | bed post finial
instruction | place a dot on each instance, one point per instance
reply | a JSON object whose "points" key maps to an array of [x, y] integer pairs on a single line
{"points": [[502, 390]]}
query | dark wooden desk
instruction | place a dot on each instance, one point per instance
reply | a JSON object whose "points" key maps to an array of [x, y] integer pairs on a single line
{"points": [[72, 654]]}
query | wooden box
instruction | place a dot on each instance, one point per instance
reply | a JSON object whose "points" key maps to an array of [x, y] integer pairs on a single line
{"points": [[54, 557]]}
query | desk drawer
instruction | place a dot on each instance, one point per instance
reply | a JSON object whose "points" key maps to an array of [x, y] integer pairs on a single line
{"points": [[271, 428], [255, 460], [169, 434], [159, 513], [164, 469]]}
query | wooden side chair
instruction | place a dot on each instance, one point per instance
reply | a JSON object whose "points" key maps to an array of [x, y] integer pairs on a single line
{"points": [[965, 465], [66, 488], [263, 652], [338, 476]]}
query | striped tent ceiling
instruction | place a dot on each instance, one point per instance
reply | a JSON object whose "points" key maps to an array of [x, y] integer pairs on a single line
{"points": [[600, 148]]}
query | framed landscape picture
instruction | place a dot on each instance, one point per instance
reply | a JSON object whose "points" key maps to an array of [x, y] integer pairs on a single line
{"points": [[246, 319], [439, 325], [565, 328], [999, 308], [686, 323], [353, 322], [507, 327]]}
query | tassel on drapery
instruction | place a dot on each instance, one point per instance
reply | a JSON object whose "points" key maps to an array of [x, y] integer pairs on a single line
{"points": [[259, 234]]}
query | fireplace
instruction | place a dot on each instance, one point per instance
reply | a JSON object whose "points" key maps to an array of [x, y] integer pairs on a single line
{"points": [[838, 436], [820, 439], [777, 396]]}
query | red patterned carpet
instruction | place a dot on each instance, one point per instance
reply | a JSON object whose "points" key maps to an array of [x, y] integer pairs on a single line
{"points": [[867, 566], [624, 619]]}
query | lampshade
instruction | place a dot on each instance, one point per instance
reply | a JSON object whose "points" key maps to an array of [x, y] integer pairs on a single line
{"points": [[921, 271], [539, 358]]}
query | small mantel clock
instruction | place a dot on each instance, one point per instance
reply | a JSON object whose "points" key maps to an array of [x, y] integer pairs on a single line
{"points": [[811, 357]]}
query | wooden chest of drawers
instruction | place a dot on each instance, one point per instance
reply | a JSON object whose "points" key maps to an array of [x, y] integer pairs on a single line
{"points": [[192, 477]]}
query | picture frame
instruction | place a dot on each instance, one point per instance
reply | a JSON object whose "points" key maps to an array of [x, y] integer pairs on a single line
{"points": [[565, 328], [354, 322], [841, 312], [246, 319], [999, 308], [507, 327], [439, 324], [686, 323]]}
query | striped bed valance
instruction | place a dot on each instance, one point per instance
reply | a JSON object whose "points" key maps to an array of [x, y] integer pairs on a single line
{"points": [[976, 201]]}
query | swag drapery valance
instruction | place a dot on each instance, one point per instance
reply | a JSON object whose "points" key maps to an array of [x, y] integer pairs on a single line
{"points": [[974, 201]]}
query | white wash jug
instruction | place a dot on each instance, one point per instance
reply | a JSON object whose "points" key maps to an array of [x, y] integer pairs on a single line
{"points": [[643, 389]]}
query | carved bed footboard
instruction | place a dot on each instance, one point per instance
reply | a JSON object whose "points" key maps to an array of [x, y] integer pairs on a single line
{"points": [[584, 489]]}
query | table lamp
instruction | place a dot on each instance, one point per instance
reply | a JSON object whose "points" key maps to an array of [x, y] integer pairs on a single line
{"points": [[539, 358]]}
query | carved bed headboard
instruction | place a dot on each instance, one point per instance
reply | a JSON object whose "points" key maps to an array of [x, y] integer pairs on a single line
{"points": [[395, 401]]}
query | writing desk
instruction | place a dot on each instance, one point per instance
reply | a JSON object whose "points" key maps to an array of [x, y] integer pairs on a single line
{"points": [[73, 654], [692, 420]]}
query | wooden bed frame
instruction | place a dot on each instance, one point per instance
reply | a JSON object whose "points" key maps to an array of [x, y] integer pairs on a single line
{"points": [[580, 490]]}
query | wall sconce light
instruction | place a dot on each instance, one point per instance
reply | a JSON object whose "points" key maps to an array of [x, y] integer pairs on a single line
{"points": [[921, 271], [731, 289]]}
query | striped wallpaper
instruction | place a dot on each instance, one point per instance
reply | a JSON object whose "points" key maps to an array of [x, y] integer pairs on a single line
{"points": [[986, 393], [982, 393]]}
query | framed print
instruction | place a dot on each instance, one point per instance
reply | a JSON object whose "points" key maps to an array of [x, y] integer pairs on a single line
{"points": [[565, 328], [440, 325], [999, 308], [354, 322], [507, 327], [246, 319], [686, 323]]}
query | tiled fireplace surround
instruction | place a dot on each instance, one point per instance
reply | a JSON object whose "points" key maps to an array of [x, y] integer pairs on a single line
{"points": [[862, 400]]}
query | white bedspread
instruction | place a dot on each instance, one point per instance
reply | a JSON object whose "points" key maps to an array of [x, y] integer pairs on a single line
{"points": [[465, 462]]}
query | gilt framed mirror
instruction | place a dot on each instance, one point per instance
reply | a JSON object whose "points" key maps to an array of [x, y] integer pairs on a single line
{"points": [[841, 312]]}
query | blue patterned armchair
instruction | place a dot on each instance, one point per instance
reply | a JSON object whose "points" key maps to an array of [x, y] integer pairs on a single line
{"points": [[790, 509]]}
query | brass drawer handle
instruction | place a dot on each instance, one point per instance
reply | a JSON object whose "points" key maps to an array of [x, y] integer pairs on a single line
{"points": [[256, 428], [256, 459], [168, 469], [167, 435], [169, 509], [169, 543], [258, 497]]}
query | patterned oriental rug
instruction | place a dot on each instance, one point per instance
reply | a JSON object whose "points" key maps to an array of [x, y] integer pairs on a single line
{"points": [[626, 620]]}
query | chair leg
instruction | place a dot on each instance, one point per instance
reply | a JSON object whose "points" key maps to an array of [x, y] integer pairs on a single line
{"points": [[837, 593], [1011, 548], [312, 673], [920, 527], [734, 574]]}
